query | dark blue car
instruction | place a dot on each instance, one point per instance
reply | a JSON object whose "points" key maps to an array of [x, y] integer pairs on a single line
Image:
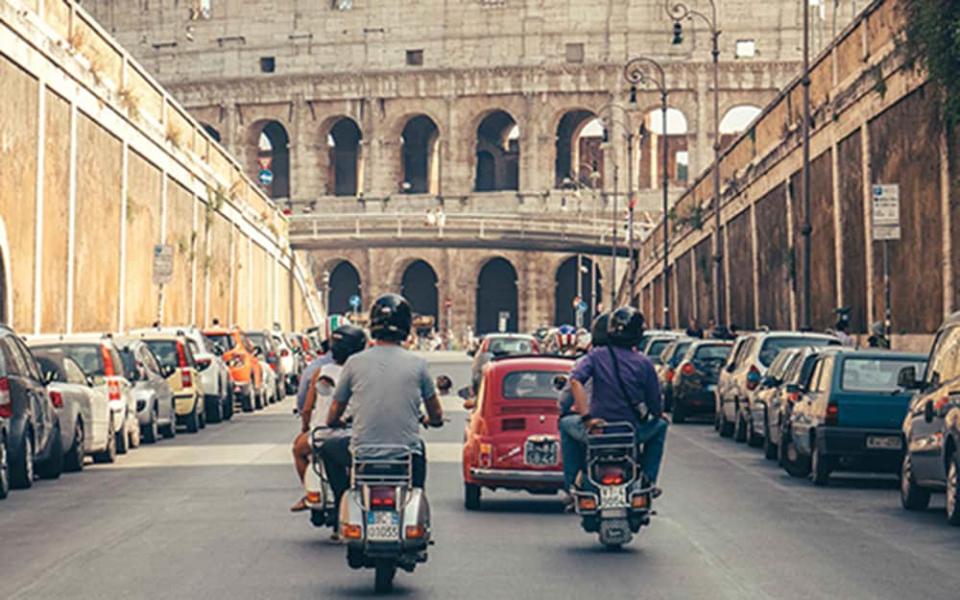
{"points": [[848, 415]]}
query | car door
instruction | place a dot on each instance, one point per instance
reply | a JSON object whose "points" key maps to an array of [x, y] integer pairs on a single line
{"points": [[805, 411], [36, 389], [925, 438]]}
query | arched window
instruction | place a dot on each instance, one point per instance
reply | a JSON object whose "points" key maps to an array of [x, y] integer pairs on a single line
{"points": [[652, 144], [568, 289], [344, 173], [578, 147], [497, 297], [344, 285], [736, 121], [498, 153], [421, 166], [273, 157], [419, 287]]}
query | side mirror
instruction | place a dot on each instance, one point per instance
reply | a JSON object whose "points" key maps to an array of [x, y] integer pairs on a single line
{"points": [[560, 382], [90, 381], [907, 379], [464, 393], [792, 390], [49, 377]]}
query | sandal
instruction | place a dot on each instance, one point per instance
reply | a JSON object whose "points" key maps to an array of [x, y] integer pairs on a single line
{"points": [[300, 506]]}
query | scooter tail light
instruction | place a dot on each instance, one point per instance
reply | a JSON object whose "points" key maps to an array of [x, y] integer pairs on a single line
{"points": [[383, 497], [415, 532], [587, 503], [313, 497], [351, 532], [6, 407]]}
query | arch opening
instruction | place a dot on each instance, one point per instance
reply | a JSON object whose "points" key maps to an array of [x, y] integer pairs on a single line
{"points": [[498, 153], [737, 120], [419, 286], [420, 143], [569, 285], [273, 155], [344, 284], [579, 150], [343, 175], [497, 298], [653, 143]]}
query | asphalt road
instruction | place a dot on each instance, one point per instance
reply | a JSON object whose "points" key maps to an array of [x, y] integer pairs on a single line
{"points": [[206, 516]]}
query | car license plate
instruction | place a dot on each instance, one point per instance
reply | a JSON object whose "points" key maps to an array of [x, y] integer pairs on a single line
{"points": [[884, 442], [613, 497], [383, 526], [540, 453]]}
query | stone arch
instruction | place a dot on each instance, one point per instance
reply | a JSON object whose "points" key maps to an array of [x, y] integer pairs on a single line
{"points": [[271, 144], [578, 156], [212, 131], [497, 152], [345, 282], [419, 285], [344, 139], [497, 293], [420, 155], [652, 147], [6, 290], [735, 121], [566, 288]]}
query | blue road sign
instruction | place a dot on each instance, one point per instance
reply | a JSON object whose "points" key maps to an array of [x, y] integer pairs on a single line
{"points": [[582, 307], [355, 301], [265, 176]]}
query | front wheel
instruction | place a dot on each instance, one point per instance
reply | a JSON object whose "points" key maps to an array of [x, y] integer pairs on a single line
{"points": [[122, 439], [73, 461], [471, 496], [740, 429], [386, 570], [753, 440], [819, 468], [53, 466], [769, 448], [152, 431], [790, 457], [4, 470], [912, 496], [21, 470], [193, 421], [953, 490], [726, 427], [109, 454]]}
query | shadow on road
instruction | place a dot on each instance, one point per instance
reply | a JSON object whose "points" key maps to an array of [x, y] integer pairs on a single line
{"points": [[364, 588], [510, 505]]}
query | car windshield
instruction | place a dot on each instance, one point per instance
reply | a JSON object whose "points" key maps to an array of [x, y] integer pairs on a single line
{"points": [[129, 364], [530, 385], [678, 353], [88, 356], [223, 341], [772, 346], [165, 351], [712, 353], [258, 340], [656, 349], [49, 365], [502, 346], [875, 374]]}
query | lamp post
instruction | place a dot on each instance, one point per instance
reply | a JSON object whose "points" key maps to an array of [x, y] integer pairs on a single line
{"points": [[639, 71], [630, 202], [678, 12], [807, 230]]}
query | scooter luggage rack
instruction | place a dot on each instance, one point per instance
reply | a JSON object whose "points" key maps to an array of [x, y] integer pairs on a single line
{"points": [[622, 442], [395, 469]]}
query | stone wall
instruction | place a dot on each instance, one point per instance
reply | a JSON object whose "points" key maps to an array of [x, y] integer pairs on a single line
{"points": [[100, 165]]}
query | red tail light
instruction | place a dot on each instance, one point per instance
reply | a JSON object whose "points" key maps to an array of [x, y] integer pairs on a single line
{"points": [[108, 369], [833, 414], [185, 378], [611, 476], [486, 455], [793, 396], [669, 375], [57, 399], [271, 354], [753, 378], [6, 408], [284, 353], [181, 355], [113, 390], [687, 369], [383, 497]]}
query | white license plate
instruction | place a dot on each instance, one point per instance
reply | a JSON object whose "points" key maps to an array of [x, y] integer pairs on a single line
{"points": [[613, 497], [383, 526], [884, 442]]}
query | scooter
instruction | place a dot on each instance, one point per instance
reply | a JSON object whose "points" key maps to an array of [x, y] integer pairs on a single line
{"points": [[617, 501], [384, 520], [319, 495]]}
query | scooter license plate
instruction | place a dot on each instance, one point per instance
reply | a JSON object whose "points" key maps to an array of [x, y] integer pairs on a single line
{"points": [[613, 497], [383, 526]]}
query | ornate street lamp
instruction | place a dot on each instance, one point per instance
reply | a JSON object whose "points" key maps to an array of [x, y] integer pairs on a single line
{"points": [[642, 71], [679, 12]]}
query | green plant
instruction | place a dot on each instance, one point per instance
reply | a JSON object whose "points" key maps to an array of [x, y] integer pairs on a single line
{"points": [[932, 42], [879, 81], [694, 218]]}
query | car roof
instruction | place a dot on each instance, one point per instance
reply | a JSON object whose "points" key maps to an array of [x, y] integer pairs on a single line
{"points": [[154, 334], [62, 340], [528, 363], [793, 334], [873, 353]]}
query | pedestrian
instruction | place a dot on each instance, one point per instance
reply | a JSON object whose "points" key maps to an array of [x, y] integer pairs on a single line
{"points": [[878, 337], [431, 217], [693, 329], [842, 331]]}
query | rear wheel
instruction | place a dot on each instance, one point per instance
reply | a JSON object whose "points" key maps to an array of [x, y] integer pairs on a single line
{"points": [[73, 461], [4, 469], [912, 496], [228, 406], [193, 421], [726, 427], [212, 404], [151, 433], [769, 448], [953, 490], [471, 496], [247, 402], [53, 466], [819, 468], [202, 418], [122, 439], [21, 470], [318, 518], [386, 571], [740, 428], [109, 454], [791, 460]]}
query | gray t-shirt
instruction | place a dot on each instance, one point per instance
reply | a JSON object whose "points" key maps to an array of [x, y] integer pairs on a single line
{"points": [[385, 387]]}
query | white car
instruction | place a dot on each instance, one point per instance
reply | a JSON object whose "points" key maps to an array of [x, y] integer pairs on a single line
{"points": [[269, 384], [289, 363]]}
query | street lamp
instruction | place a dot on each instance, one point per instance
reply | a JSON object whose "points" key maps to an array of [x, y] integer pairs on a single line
{"points": [[680, 11], [616, 198], [807, 229], [641, 71]]}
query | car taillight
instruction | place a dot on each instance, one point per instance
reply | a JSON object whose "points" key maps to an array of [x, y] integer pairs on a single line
{"points": [[6, 408], [284, 353], [833, 414], [668, 375], [486, 455], [56, 398], [793, 397], [113, 390], [383, 497], [753, 378], [181, 355], [688, 369], [185, 378]]}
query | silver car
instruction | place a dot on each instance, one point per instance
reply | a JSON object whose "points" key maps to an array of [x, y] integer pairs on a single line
{"points": [[156, 411]]}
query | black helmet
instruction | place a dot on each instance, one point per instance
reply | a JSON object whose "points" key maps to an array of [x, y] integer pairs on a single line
{"points": [[598, 333], [625, 327], [390, 318], [346, 341]]}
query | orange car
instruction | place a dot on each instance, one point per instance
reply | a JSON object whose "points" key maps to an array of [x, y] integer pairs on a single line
{"points": [[246, 374]]}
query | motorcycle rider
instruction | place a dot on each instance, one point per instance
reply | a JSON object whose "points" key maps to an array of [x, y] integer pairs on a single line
{"points": [[384, 386], [625, 388], [344, 343]]}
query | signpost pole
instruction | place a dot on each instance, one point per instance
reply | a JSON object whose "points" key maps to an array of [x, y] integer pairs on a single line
{"points": [[888, 314]]}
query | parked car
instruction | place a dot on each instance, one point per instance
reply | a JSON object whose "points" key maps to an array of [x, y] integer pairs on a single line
{"points": [[499, 345], [778, 392], [32, 443], [849, 414], [100, 360], [214, 375], [83, 411], [289, 363], [656, 345], [695, 378], [758, 352], [246, 374], [270, 364], [156, 407], [648, 336], [766, 394], [511, 440], [931, 428], [180, 369], [725, 383], [270, 382], [666, 368]]}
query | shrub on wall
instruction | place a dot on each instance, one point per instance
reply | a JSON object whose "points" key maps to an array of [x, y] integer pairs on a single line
{"points": [[932, 41]]}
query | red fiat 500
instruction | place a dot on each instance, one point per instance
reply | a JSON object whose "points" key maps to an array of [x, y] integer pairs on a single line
{"points": [[511, 441]]}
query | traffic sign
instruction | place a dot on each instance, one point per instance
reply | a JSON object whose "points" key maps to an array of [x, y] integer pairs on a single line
{"points": [[886, 212], [265, 177], [162, 264], [582, 307], [355, 301]]}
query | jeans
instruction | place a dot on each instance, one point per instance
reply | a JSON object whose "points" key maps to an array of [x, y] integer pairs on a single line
{"points": [[573, 448]]}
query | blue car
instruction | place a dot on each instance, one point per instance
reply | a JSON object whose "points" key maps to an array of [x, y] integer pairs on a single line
{"points": [[848, 413]]}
